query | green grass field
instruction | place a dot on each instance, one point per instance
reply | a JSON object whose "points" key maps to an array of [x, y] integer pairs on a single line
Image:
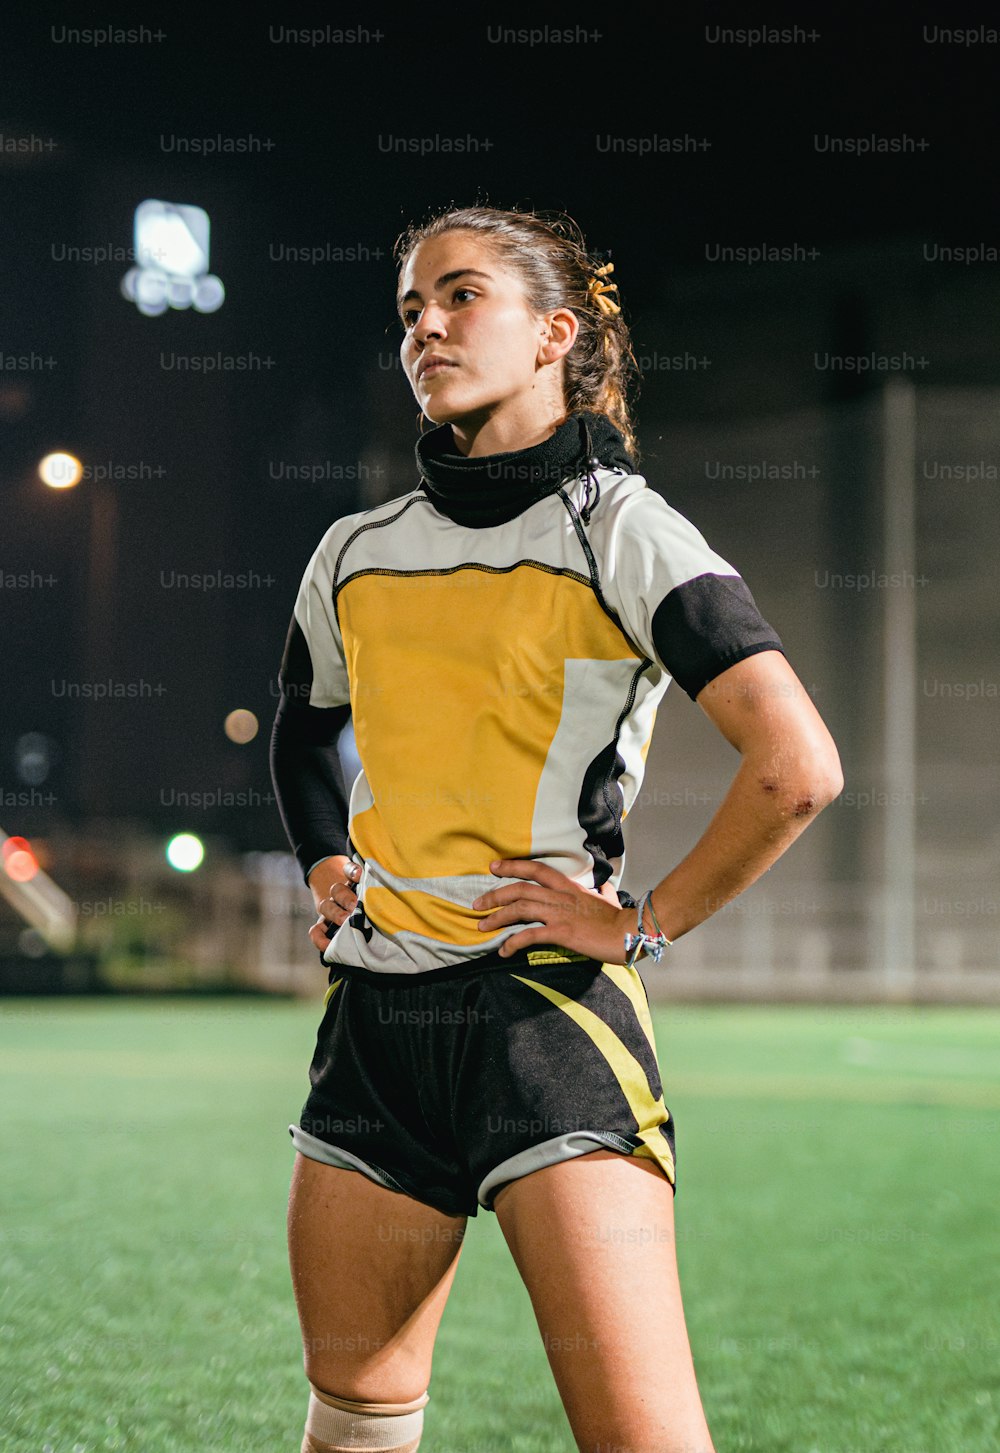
{"points": [[837, 1215]]}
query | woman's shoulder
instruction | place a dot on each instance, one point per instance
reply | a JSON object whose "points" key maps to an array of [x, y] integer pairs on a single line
{"points": [[635, 521], [628, 500]]}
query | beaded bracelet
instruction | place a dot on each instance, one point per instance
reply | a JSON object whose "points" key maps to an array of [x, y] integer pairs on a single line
{"points": [[652, 943]]}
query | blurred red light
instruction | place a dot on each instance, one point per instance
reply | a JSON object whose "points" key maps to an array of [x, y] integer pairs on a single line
{"points": [[21, 866]]}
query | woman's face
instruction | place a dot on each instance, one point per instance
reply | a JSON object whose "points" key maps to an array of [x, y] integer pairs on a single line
{"points": [[458, 303]]}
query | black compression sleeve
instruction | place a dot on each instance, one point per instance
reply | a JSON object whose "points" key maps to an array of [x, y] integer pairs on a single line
{"points": [[309, 779]]}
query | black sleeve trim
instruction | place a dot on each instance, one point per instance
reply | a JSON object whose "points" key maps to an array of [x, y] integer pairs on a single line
{"points": [[706, 625], [309, 779]]}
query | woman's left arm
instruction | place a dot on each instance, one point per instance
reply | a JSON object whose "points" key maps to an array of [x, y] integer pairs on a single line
{"points": [[790, 770]]}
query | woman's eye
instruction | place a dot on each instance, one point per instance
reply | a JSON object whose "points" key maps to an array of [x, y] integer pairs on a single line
{"points": [[408, 317]]}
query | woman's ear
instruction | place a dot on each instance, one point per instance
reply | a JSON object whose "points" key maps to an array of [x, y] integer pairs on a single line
{"points": [[558, 335]]}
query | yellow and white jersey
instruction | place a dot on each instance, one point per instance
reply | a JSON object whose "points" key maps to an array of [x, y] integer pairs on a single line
{"points": [[503, 683]]}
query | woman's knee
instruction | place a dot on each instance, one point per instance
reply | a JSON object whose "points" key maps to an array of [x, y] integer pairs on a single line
{"points": [[369, 1372], [336, 1424]]}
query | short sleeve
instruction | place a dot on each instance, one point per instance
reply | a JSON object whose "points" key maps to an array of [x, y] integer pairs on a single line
{"points": [[313, 669], [681, 602]]}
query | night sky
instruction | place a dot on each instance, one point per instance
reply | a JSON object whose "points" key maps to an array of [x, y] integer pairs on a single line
{"points": [[727, 143]]}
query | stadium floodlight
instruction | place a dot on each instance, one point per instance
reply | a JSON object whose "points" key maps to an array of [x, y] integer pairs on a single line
{"points": [[171, 254]]}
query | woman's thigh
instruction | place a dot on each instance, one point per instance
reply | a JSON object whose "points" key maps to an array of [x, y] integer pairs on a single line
{"points": [[371, 1271], [593, 1240]]}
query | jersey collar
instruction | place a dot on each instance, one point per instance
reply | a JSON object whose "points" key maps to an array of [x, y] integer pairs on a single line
{"points": [[491, 489]]}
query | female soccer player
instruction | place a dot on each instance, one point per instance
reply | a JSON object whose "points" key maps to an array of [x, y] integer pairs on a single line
{"points": [[501, 636]]}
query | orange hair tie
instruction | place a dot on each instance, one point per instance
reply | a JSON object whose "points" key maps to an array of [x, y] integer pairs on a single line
{"points": [[597, 290]]}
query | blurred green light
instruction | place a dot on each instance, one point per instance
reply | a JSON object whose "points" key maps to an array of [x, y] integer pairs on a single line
{"points": [[185, 852]]}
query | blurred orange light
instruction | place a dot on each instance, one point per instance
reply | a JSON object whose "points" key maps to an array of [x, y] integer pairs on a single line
{"points": [[60, 470], [241, 726]]}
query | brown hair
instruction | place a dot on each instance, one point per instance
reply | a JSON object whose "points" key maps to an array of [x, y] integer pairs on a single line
{"points": [[548, 253]]}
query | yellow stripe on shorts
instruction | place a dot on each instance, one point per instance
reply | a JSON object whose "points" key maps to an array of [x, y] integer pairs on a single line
{"points": [[629, 982], [332, 990], [649, 1113]]}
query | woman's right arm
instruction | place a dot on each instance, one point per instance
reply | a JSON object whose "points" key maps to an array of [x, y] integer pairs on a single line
{"points": [[312, 800], [313, 709]]}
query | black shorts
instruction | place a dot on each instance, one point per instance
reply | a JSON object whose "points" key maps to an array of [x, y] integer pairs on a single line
{"points": [[448, 1090]]}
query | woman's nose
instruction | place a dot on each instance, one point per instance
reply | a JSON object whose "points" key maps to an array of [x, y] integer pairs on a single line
{"points": [[430, 324]]}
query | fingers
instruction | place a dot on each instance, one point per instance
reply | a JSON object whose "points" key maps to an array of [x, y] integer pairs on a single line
{"points": [[518, 941], [501, 897], [328, 922], [522, 909], [340, 899], [338, 904], [335, 907], [546, 877], [506, 916], [318, 937], [528, 868]]}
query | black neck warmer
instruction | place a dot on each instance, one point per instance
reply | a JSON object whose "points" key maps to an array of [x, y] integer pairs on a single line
{"points": [[491, 489]]}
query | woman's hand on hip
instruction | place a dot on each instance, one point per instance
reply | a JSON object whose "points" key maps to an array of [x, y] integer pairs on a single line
{"points": [[586, 920], [332, 885]]}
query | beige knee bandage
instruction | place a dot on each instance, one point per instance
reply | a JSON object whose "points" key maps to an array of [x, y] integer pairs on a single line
{"points": [[341, 1425]]}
